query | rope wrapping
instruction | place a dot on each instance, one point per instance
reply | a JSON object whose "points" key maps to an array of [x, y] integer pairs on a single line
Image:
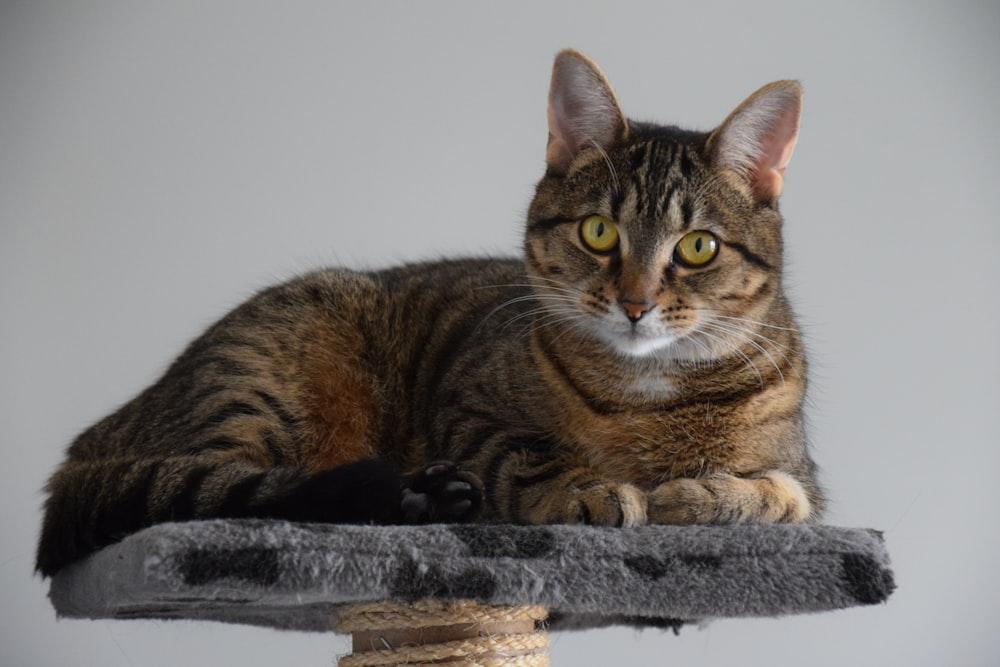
{"points": [[385, 615], [439, 632]]}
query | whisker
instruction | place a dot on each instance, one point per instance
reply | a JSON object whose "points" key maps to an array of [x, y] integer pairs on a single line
{"points": [[751, 342], [559, 287], [611, 167], [518, 299], [733, 348], [708, 350], [551, 280], [569, 321], [737, 324], [554, 288], [742, 319], [580, 340], [548, 309], [732, 323], [740, 330], [552, 320]]}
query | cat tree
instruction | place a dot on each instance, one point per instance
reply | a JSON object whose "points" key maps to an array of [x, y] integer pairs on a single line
{"points": [[471, 594]]}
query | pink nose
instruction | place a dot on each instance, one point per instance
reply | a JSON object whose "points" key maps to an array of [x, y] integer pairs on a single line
{"points": [[635, 310]]}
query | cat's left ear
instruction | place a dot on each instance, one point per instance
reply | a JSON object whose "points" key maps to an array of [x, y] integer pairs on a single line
{"points": [[757, 140]]}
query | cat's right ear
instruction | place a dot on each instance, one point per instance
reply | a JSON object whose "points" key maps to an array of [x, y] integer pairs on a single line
{"points": [[583, 110]]}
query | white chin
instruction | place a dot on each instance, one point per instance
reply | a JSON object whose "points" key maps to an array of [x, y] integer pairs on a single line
{"points": [[640, 346]]}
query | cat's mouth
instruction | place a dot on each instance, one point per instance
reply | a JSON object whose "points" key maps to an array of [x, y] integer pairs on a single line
{"points": [[637, 341], [648, 337]]}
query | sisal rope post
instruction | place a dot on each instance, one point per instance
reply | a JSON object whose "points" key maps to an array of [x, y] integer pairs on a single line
{"points": [[435, 632]]}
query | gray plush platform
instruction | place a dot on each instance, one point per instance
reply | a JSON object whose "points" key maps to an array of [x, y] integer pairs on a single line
{"points": [[293, 575]]}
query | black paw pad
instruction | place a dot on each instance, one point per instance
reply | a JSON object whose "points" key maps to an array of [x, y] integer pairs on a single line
{"points": [[441, 493]]}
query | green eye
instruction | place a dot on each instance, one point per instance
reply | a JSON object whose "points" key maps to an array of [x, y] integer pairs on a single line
{"points": [[697, 248], [599, 234]]}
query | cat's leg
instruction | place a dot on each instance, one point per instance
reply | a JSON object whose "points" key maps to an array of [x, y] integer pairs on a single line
{"points": [[527, 476], [770, 497], [573, 495], [373, 491], [526, 482], [94, 503]]}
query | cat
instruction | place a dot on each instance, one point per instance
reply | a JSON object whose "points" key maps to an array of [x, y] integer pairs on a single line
{"points": [[640, 363]]}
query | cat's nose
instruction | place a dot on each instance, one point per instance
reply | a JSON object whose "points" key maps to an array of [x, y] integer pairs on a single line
{"points": [[634, 310]]}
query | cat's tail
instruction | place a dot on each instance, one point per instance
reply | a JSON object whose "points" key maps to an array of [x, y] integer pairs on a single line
{"points": [[94, 503]]}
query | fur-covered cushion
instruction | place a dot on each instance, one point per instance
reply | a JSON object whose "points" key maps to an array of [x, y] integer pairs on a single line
{"points": [[293, 576]]}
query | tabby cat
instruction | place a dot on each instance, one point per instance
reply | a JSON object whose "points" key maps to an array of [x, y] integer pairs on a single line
{"points": [[639, 365]]}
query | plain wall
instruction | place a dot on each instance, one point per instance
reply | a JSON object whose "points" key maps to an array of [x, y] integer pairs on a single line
{"points": [[160, 161]]}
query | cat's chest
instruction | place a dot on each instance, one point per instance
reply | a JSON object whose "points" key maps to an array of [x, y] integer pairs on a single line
{"points": [[638, 427], [647, 446], [647, 388]]}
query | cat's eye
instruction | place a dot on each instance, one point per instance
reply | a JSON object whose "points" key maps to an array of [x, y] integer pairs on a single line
{"points": [[697, 248], [599, 233]]}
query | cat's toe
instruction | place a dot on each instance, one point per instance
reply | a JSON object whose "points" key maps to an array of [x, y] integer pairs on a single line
{"points": [[460, 498], [433, 477], [440, 492], [416, 507], [607, 504]]}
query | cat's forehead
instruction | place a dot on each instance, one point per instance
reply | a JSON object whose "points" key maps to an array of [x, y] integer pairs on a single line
{"points": [[661, 155], [654, 185], [660, 191]]}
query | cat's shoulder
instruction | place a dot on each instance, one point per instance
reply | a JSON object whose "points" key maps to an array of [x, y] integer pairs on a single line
{"points": [[332, 285], [468, 270]]}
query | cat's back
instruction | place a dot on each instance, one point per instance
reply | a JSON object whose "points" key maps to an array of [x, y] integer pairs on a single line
{"points": [[453, 275], [402, 292], [376, 304], [387, 331]]}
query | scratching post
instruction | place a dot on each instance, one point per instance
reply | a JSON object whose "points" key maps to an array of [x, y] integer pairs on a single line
{"points": [[471, 594], [437, 632]]}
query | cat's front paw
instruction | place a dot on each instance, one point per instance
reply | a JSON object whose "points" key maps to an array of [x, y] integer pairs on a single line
{"points": [[686, 501], [769, 498], [601, 503], [441, 493]]}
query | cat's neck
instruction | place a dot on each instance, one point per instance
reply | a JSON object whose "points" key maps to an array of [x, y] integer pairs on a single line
{"points": [[591, 368]]}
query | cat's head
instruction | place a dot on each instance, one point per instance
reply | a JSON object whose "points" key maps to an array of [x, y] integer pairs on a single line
{"points": [[655, 240]]}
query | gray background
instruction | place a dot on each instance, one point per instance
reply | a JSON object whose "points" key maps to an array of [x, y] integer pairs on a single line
{"points": [[161, 161]]}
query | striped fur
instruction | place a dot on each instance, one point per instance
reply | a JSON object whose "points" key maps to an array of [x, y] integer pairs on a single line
{"points": [[304, 402]]}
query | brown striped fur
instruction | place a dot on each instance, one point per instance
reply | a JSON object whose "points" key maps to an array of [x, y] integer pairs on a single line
{"points": [[515, 369]]}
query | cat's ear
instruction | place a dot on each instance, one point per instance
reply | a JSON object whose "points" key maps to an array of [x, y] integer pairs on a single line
{"points": [[757, 140], [583, 110]]}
